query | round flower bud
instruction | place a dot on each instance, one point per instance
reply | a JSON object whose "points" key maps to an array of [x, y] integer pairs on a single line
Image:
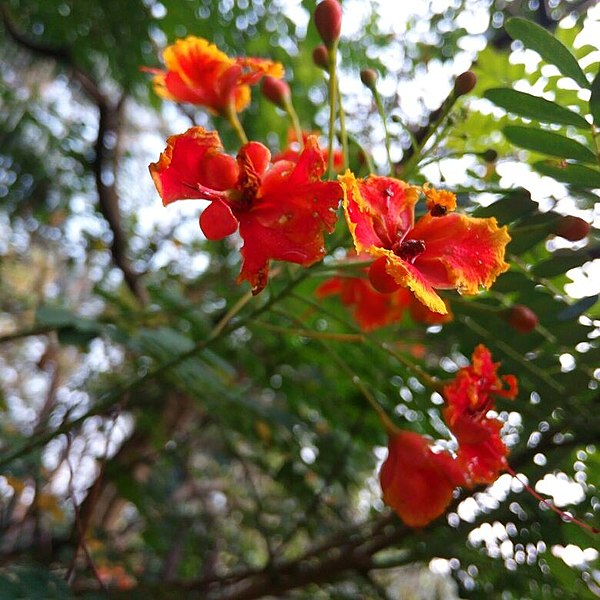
{"points": [[521, 318], [369, 78], [464, 83], [489, 155], [321, 57], [276, 91], [572, 228], [328, 19], [380, 279]]}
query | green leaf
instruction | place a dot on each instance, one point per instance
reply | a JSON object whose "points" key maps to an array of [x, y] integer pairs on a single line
{"points": [[576, 175], [548, 47], [595, 99], [577, 309], [560, 263], [548, 142], [54, 317], [525, 240], [510, 208], [533, 107]]}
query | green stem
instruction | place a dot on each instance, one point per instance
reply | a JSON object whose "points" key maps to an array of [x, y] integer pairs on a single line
{"points": [[343, 131], [307, 333], [230, 114], [414, 160], [385, 420], [413, 140], [26, 333], [381, 110], [293, 115], [431, 382], [332, 106], [367, 156]]}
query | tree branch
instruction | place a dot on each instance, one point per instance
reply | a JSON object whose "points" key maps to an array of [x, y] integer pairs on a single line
{"points": [[103, 166]]}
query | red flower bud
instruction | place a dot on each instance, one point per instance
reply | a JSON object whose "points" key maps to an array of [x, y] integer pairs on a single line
{"points": [[464, 83], [328, 19], [320, 57], [276, 91], [368, 77], [380, 279], [572, 228], [521, 318]]}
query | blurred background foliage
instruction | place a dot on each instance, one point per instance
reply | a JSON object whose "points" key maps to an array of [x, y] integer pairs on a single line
{"points": [[153, 444]]}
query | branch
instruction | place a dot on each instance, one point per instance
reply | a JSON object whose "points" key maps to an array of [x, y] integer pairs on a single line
{"points": [[104, 160]]}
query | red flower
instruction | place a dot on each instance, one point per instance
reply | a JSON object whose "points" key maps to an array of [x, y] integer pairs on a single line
{"points": [[292, 151], [416, 481], [281, 209], [372, 309], [199, 73], [469, 398], [443, 250]]}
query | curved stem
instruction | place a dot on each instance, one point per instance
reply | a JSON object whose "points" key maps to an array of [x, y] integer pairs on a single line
{"points": [[293, 115], [417, 155], [431, 382], [381, 110], [230, 114], [385, 420]]}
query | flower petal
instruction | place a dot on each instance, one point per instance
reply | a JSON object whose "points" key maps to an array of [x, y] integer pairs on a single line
{"points": [[379, 210], [193, 166], [469, 397], [217, 221], [470, 250], [198, 72], [408, 275], [287, 217], [417, 482]]}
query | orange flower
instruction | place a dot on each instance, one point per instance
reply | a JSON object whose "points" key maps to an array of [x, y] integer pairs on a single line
{"points": [[442, 250], [199, 73], [281, 209], [469, 398], [416, 481]]}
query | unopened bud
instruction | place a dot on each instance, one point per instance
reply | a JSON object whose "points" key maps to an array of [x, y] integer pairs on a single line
{"points": [[277, 91], [521, 318], [369, 78], [328, 19], [489, 155], [464, 83], [572, 228], [380, 279], [320, 57]]}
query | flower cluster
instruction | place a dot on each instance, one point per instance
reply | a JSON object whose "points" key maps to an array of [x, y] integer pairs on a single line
{"points": [[418, 481], [282, 206]]}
